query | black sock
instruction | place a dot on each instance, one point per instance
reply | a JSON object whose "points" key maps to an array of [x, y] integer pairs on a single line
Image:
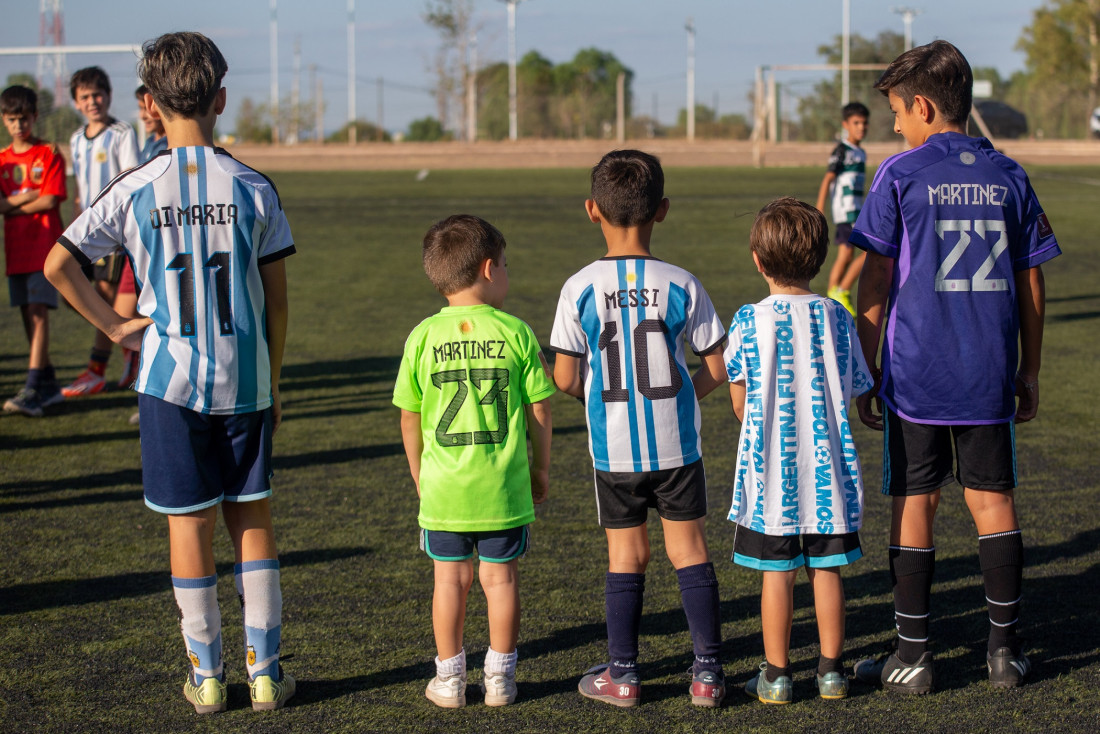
{"points": [[1002, 559], [772, 672], [911, 571], [699, 595], [829, 665], [35, 378], [623, 604]]}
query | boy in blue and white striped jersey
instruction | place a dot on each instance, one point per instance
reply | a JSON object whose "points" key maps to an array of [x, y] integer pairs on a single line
{"points": [[207, 237]]}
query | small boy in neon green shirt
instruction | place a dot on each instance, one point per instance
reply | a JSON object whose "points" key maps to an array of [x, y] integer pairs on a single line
{"points": [[473, 382]]}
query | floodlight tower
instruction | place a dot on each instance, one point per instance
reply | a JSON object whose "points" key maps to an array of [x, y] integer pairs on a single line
{"points": [[351, 73], [274, 71], [907, 15], [513, 117], [690, 27], [51, 33], [846, 52]]}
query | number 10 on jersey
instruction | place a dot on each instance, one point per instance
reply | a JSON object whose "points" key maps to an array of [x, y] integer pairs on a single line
{"points": [[611, 344]]}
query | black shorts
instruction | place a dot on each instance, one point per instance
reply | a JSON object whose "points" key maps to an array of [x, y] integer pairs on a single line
{"points": [[922, 458], [623, 499], [754, 549], [844, 233], [107, 269]]}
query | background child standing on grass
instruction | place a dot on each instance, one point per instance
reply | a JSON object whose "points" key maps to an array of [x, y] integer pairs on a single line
{"points": [[472, 385]]}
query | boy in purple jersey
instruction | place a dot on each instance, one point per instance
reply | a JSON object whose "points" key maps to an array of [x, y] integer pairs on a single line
{"points": [[955, 238], [205, 442]]}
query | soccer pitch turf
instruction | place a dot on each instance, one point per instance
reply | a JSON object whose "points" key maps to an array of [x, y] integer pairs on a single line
{"points": [[89, 639]]}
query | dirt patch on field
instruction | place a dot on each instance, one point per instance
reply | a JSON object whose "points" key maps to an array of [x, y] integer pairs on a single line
{"points": [[583, 154]]}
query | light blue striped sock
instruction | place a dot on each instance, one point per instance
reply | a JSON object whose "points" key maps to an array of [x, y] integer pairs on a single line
{"points": [[258, 584], [201, 624]]}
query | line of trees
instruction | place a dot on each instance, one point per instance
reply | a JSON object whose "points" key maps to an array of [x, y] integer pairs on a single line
{"points": [[55, 123]]}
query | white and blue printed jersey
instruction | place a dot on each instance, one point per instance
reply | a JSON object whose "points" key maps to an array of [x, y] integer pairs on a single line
{"points": [[626, 319], [196, 225], [96, 161], [797, 467], [153, 145]]}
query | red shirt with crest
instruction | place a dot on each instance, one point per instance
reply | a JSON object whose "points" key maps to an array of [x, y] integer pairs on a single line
{"points": [[29, 237]]}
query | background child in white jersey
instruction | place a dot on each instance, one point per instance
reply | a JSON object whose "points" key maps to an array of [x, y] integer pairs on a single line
{"points": [[468, 455], [843, 185], [205, 435], [794, 363], [101, 148], [619, 336]]}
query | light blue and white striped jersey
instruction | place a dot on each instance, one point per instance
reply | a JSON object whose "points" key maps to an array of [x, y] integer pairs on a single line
{"points": [[626, 320], [196, 225], [98, 160], [153, 145], [797, 467]]}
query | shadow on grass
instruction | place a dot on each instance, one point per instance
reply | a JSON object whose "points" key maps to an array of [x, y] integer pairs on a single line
{"points": [[337, 456], [1084, 316], [26, 442], [122, 477], [22, 598], [330, 374]]}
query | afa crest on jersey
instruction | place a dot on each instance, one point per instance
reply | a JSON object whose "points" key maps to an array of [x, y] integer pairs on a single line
{"points": [[251, 655]]}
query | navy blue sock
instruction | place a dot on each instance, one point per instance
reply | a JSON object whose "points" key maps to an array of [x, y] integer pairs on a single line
{"points": [[699, 594], [35, 378], [1002, 559], [911, 571], [623, 602]]}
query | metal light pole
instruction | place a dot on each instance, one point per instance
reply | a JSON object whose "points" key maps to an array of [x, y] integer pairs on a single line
{"points": [[845, 53], [274, 72], [513, 116], [351, 72], [907, 15], [690, 79]]}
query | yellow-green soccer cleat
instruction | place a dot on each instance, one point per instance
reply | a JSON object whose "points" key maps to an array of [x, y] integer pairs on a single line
{"points": [[208, 697], [269, 694]]}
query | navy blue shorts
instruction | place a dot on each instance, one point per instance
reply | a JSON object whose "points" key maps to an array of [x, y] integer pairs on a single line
{"points": [[25, 289], [921, 458], [493, 546], [754, 549], [843, 234], [191, 461]]}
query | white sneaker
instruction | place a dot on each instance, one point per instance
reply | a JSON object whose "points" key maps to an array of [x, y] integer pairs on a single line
{"points": [[499, 688], [448, 692]]}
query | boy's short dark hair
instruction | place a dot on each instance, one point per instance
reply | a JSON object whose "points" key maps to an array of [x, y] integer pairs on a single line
{"points": [[854, 109], [937, 71], [90, 76], [455, 248], [628, 187], [18, 100], [141, 91], [790, 239], [183, 71]]}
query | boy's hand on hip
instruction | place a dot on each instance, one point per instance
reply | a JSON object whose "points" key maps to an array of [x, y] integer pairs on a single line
{"points": [[130, 333]]}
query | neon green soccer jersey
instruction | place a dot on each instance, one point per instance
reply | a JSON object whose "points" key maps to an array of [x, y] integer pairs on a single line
{"points": [[469, 371]]}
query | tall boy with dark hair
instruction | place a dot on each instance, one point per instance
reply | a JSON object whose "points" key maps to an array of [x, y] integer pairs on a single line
{"points": [[101, 148], [207, 237], [472, 385], [955, 238], [619, 335], [843, 185], [32, 187], [794, 364]]}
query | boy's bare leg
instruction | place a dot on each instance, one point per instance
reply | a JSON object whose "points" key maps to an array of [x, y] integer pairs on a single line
{"points": [[36, 322], [452, 584], [911, 519], [851, 274], [685, 542], [777, 614], [249, 525], [500, 582], [993, 511], [628, 549], [829, 609], [191, 543], [840, 265]]}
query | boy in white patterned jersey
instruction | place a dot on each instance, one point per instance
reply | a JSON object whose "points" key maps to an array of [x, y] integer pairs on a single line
{"points": [[794, 364], [843, 184], [468, 456], [619, 337], [101, 148], [207, 237]]}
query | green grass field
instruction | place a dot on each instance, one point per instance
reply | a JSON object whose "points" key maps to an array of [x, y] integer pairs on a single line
{"points": [[89, 639]]}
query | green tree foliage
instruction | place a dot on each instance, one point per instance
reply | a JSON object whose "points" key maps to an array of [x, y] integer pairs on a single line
{"points": [[708, 125], [819, 112], [1061, 83], [365, 132], [253, 122], [426, 130], [453, 21], [55, 124]]}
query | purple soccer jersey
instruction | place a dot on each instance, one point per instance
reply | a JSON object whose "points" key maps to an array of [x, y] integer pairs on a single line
{"points": [[959, 220]]}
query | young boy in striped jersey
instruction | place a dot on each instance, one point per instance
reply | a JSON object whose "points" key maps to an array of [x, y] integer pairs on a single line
{"points": [[207, 237], [619, 337], [101, 148], [794, 364]]}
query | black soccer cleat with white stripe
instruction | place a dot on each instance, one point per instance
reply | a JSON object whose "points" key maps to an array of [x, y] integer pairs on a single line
{"points": [[1007, 670], [895, 675]]}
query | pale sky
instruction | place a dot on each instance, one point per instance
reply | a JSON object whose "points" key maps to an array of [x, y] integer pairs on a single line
{"points": [[733, 37]]}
